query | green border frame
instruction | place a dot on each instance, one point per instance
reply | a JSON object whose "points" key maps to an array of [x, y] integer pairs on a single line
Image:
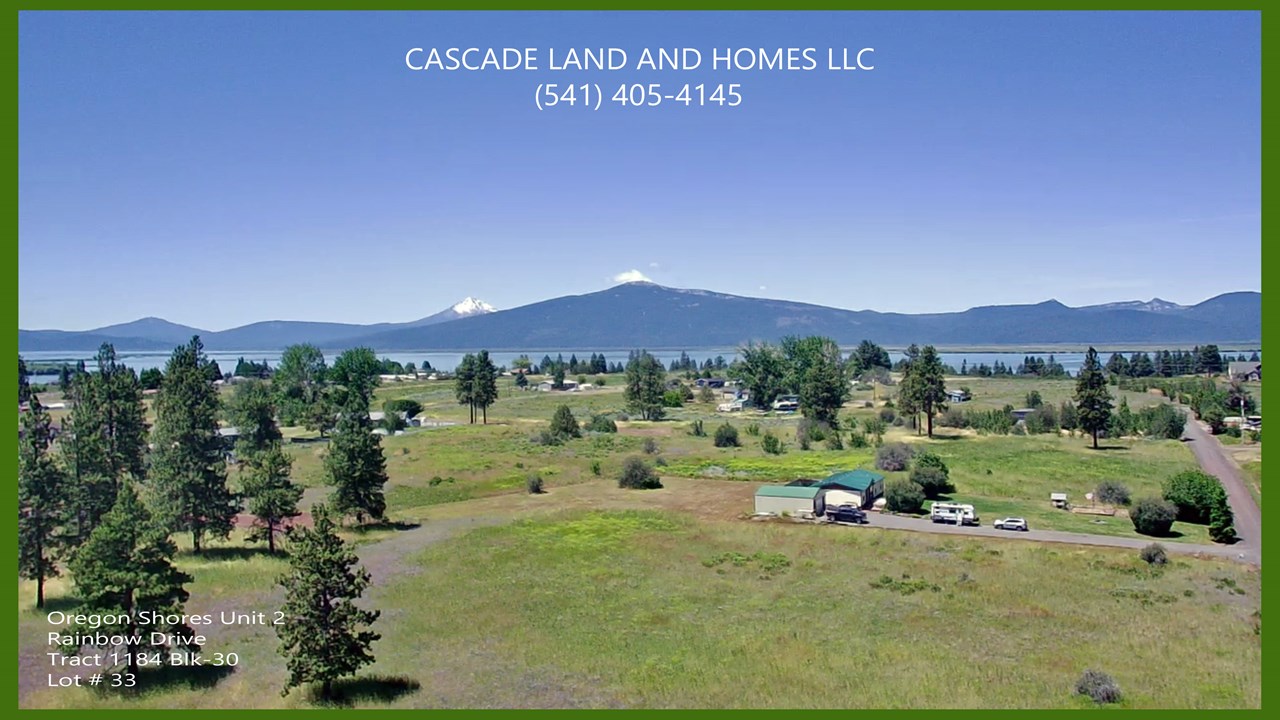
{"points": [[10, 24]]}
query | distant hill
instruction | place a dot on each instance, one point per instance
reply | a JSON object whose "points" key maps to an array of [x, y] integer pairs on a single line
{"points": [[643, 314]]}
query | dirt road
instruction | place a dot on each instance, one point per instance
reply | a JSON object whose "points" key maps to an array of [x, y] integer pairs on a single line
{"points": [[1213, 459]]}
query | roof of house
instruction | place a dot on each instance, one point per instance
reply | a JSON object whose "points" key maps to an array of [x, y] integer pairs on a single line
{"points": [[858, 480], [1243, 368], [787, 491]]}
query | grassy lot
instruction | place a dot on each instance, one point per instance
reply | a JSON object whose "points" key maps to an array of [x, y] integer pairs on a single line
{"points": [[649, 608], [1253, 479]]}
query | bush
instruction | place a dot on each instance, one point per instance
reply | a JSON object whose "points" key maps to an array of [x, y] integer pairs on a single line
{"points": [[1099, 686], [595, 468], [411, 408], [887, 414], [599, 381], [705, 396], [637, 475], [753, 429], [931, 460], [602, 424], [622, 417], [564, 425], [393, 422], [1033, 400], [533, 484], [1153, 554], [1221, 521], [893, 457], [1153, 516], [650, 446], [1193, 492], [726, 436], [834, 441], [874, 426], [696, 429], [954, 417], [771, 444], [903, 496], [672, 399], [1110, 492], [932, 481], [1161, 422], [1232, 432], [858, 441]]}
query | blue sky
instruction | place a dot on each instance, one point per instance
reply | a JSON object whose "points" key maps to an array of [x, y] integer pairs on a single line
{"points": [[217, 169]]}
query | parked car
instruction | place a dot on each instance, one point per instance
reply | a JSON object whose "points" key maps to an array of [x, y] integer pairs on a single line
{"points": [[734, 406], [847, 514], [1011, 524], [787, 403]]}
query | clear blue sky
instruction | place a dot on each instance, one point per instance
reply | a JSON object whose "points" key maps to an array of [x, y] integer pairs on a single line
{"points": [[217, 169]]}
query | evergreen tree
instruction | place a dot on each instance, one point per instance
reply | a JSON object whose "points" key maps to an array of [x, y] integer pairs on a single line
{"points": [[521, 381], [484, 383], [762, 371], [823, 388], [464, 384], [124, 569], [355, 465], [1093, 400], [355, 372], [299, 384], [264, 466], [646, 384], [151, 378], [1118, 364], [866, 356], [911, 389], [324, 635], [932, 387], [40, 499], [90, 490], [24, 382], [188, 479]]}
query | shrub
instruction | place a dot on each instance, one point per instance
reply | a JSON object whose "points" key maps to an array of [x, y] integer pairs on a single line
{"points": [[595, 468], [753, 429], [1153, 554], [705, 396], [1193, 492], [850, 423], [393, 422], [650, 446], [1153, 516], [893, 457], [1161, 422], [672, 399], [954, 417], [1033, 399], [903, 496], [564, 425], [726, 436], [622, 417], [928, 459], [899, 422], [411, 408], [771, 444], [533, 484], [932, 481], [602, 424], [637, 475], [834, 441], [1099, 686], [696, 429], [874, 426], [599, 381], [1112, 493], [858, 440], [1221, 521], [1232, 432], [887, 414]]}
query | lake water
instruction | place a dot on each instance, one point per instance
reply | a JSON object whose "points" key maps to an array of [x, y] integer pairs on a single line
{"points": [[140, 361]]}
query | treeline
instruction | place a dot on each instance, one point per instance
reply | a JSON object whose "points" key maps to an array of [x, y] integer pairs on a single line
{"points": [[692, 369], [1210, 402], [1201, 360], [104, 501], [1155, 422]]}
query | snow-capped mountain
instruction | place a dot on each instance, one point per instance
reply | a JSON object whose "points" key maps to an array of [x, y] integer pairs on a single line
{"points": [[1152, 305], [472, 306]]}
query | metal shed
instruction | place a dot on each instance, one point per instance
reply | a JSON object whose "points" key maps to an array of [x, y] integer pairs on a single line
{"points": [[785, 499]]}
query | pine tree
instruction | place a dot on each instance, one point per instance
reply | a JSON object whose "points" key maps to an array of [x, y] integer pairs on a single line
{"points": [[484, 383], [1093, 400], [299, 384], [464, 384], [646, 383], [264, 474], [124, 569], [324, 636], [188, 480], [355, 465], [40, 500], [932, 390], [911, 388], [24, 382], [90, 488]]}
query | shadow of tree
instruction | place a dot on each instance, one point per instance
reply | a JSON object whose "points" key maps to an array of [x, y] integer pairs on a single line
{"points": [[171, 677], [372, 688], [230, 553], [63, 603], [385, 525]]}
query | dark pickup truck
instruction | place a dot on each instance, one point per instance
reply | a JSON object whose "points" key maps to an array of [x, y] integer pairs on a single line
{"points": [[847, 514]]}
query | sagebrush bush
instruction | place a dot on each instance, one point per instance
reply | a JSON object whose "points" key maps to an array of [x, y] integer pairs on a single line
{"points": [[601, 424], [932, 481], [595, 468], [887, 414], [1153, 516], [533, 484], [753, 429], [564, 425], [771, 444], [696, 428], [1099, 686], [1153, 554], [1112, 493], [834, 441], [637, 475], [726, 436], [650, 446], [893, 457], [901, 495]]}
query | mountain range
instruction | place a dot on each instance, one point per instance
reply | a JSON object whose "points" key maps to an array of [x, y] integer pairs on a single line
{"points": [[643, 314]]}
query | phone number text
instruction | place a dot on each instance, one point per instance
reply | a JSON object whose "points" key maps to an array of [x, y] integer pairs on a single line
{"points": [[590, 95]]}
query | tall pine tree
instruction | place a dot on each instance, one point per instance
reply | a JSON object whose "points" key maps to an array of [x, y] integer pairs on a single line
{"points": [[1093, 400], [932, 385], [355, 465], [464, 383], [124, 569], [40, 500], [188, 480], [264, 466], [484, 384], [646, 383], [324, 635]]}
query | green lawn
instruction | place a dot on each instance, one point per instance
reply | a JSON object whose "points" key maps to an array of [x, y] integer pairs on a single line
{"points": [[1253, 479]]}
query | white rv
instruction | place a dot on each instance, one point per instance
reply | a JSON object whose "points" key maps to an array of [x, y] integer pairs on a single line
{"points": [[953, 513]]}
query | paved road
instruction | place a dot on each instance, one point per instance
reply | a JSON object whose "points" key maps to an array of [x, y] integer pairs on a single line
{"points": [[1213, 459], [898, 522]]}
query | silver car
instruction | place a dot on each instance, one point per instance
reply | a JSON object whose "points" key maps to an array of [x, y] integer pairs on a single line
{"points": [[1011, 524]]}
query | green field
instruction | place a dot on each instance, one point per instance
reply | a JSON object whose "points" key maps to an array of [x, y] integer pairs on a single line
{"points": [[651, 609]]}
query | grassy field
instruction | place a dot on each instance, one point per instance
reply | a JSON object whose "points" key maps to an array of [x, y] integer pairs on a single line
{"points": [[650, 608]]}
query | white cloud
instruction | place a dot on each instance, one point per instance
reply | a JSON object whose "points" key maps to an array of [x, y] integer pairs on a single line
{"points": [[631, 276], [762, 287], [654, 265]]}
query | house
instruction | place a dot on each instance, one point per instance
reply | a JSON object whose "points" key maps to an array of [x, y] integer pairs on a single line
{"points": [[1251, 371], [789, 499], [710, 382], [548, 386], [1021, 414], [958, 396], [855, 487], [229, 436]]}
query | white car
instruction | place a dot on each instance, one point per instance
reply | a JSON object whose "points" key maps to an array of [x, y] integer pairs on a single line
{"points": [[1011, 524], [735, 406]]}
